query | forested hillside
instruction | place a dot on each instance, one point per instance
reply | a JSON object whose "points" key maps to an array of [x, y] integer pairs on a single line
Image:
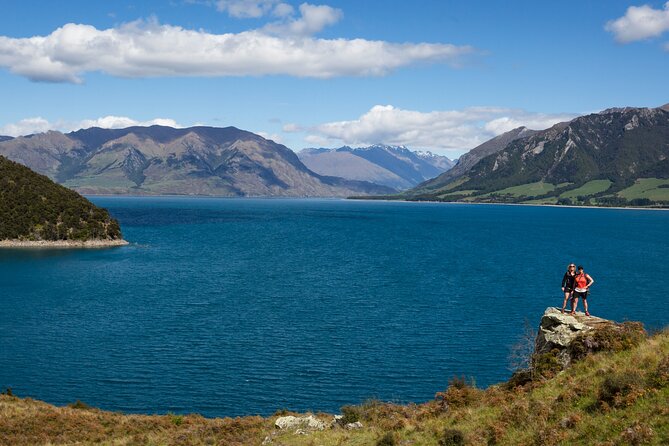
{"points": [[32, 207]]}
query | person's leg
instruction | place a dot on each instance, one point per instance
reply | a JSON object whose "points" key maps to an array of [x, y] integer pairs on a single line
{"points": [[564, 302], [574, 303], [585, 304]]}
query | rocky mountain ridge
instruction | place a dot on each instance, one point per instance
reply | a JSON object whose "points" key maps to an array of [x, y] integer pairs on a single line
{"points": [[602, 158], [394, 166], [469, 159], [165, 160]]}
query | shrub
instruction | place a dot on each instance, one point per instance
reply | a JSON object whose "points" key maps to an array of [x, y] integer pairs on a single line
{"points": [[176, 420], [546, 365], [518, 379], [351, 414], [614, 338], [79, 405], [452, 437], [660, 377], [616, 387], [637, 434], [459, 393], [387, 440]]}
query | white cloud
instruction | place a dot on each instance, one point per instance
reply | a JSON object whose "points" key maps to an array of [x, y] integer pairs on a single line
{"points": [[272, 136], [291, 128], [313, 19], [253, 8], [26, 127], [452, 130], [639, 23], [148, 49], [31, 126]]}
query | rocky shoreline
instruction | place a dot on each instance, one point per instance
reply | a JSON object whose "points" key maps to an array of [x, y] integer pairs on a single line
{"points": [[62, 243]]}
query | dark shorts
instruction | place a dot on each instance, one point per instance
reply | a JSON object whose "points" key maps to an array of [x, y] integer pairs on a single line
{"points": [[583, 294]]}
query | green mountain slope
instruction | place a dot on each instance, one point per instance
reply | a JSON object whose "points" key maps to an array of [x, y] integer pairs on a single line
{"points": [[617, 147], [32, 207], [469, 160]]}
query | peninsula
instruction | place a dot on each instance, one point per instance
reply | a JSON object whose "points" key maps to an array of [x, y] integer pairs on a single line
{"points": [[36, 212]]}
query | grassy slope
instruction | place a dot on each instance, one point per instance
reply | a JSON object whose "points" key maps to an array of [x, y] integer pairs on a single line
{"points": [[525, 190], [590, 188], [572, 408], [647, 188]]}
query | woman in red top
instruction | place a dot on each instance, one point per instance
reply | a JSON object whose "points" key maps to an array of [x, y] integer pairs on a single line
{"points": [[582, 283]]}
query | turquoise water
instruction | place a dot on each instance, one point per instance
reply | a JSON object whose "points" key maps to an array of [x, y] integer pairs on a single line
{"points": [[233, 307]]}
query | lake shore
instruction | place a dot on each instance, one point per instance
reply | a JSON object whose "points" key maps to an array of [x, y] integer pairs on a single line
{"points": [[62, 243], [511, 204]]}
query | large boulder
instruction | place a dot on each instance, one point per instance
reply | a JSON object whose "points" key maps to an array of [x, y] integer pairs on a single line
{"points": [[309, 422], [567, 337]]}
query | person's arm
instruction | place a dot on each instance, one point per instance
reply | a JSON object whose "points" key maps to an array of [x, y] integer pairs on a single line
{"points": [[564, 281], [587, 276]]}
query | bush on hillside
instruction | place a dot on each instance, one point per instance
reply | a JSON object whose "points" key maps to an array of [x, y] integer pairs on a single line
{"points": [[614, 338], [32, 207], [617, 388]]}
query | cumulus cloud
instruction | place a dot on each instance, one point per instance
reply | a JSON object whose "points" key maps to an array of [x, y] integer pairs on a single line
{"points": [[639, 23], [26, 126], [31, 126], [148, 49], [313, 19], [272, 136], [454, 130], [254, 8]]}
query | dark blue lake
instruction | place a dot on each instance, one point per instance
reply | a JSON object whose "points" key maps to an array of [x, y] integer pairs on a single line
{"points": [[233, 307]]}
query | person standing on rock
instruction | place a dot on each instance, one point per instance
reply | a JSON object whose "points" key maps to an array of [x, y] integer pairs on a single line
{"points": [[582, 284], [568, 285]]}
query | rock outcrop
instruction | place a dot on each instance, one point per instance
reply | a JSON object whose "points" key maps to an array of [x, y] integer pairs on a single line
{"points": [[308, 422], [569, 337]]}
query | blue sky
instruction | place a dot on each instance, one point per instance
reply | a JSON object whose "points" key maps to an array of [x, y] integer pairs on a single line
{"points": [[442, 75]]}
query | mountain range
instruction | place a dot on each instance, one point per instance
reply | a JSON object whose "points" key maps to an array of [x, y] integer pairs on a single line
{"points": [[469, 159], [164, 160], [616, 157], [393, 166]]}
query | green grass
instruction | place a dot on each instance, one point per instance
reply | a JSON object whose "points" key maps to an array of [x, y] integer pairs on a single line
{"points": [[452, 185], [550, 200], [590, 188], [525, 190], [460, 192], [563, 185], [647, 188]]}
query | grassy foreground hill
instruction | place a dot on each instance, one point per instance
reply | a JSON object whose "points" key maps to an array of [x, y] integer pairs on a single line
{"points": [[34, 208], [608, 398]]}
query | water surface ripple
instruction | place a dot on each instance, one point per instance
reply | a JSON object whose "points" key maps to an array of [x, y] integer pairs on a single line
{"points": [[231, 307]]}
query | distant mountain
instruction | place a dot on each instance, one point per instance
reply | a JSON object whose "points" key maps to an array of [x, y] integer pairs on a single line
{"points": [[5, 138], [393, 166], [618, 156], [164, 160], [469, 159], [32, 207]]}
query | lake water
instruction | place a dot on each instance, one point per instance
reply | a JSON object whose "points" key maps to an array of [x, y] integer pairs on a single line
{"points": [[245, 306]]}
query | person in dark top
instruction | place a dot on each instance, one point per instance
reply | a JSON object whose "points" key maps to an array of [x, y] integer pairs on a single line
{"points": [[568, 286], [582, 283]]}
